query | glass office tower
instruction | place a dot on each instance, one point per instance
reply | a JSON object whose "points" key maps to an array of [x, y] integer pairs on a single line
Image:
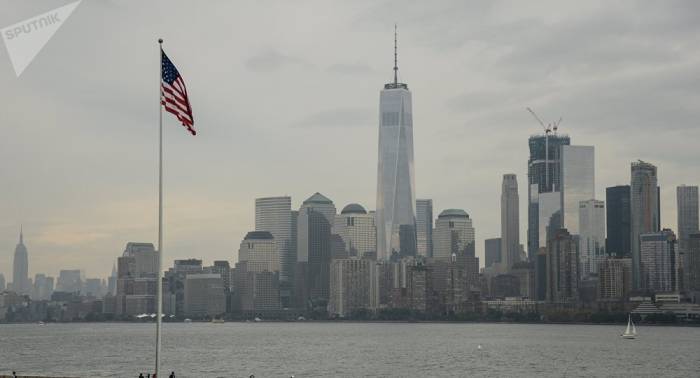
{"points": [[592, 235], [543, 177], [274, 214], [617, 211], [687, 202], [396, 216], [314, 227], [549, 209], [644, 211], [577, 183]]}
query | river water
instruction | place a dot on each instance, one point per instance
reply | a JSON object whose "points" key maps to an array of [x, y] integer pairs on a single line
{"points": [[350, 350]]}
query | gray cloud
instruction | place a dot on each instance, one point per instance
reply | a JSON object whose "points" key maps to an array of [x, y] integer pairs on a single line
{"points": [[351, 69], [342, 117], [271, 60], [491, 99]]}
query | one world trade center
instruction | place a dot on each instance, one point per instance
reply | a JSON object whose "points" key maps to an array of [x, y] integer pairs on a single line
{"points": [[396, 217]]}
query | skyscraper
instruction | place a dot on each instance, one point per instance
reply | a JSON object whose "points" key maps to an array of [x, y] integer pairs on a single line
{"points": [[692, 263], [687, 206], [492, 251], [687, 201], [617, 211], [547, 179], [137, 281], [93, 287], [644, 210], [259, 292], [577, 183], [274, 214], [20, 271], [71, 280], [549, 210], [112, 281], [256, 277], [424, 227], [614, 278], [43, 287], [525, 273], [354, 285], [357, 230], [592, 235], [562, 268], [222, 268], [314, 224], [541, 274], [260, 252], [395, 169], [176, 277], [146, 258], [510, 222], [454, 234], [204, 295], [658, 261], [543, 177]]}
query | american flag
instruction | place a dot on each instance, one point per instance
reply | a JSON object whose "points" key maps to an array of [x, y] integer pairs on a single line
{"points": [[173, 94]]}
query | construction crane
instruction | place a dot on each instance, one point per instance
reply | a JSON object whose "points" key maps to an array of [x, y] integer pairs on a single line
{"points": [[556, 125], [551, 127], [547, 129]]}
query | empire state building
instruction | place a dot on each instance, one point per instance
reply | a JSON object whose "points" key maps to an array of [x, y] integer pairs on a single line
{"points": [[396, 215], [20, 268]]}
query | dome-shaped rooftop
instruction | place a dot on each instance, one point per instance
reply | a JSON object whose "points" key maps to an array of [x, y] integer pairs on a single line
{"points": [[453, 213], [354, 208]]}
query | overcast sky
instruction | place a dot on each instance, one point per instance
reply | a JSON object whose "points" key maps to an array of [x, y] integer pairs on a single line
{"points": [[285, 97]]}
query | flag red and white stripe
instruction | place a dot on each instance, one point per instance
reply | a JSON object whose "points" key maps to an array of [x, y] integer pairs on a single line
{"points": [[173, 94]]}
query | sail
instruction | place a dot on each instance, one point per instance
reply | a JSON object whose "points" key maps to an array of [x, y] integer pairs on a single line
{"points": [[634, 329], [629, 329]]}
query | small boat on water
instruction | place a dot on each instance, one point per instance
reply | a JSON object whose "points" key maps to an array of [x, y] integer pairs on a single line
{"points": [[217, 321], [631, 330], [188, 320]]}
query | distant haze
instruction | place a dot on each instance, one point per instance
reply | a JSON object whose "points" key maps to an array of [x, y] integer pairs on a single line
{"points": [[285, 98]]}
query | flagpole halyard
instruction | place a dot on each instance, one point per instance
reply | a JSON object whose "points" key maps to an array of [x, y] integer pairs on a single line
{"points": [[159, 284]]}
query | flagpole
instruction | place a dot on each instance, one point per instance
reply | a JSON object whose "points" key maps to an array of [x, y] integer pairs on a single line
{"points": [[159, 285]]}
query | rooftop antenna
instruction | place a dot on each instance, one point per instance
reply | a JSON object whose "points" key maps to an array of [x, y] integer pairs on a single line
{"points": [[396, 65]]}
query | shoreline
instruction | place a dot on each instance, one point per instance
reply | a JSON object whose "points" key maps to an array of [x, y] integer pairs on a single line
{"points": [[368, 322]]}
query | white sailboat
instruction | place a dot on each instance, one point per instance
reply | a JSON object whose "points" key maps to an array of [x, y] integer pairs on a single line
{"points": [[631, 330]]}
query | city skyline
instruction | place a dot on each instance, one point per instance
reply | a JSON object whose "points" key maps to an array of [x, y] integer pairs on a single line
{"points": [[109, 199]]}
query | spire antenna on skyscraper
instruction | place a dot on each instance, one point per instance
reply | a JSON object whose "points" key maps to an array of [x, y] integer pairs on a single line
{"points": [[396, 60], [21, 235]]}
